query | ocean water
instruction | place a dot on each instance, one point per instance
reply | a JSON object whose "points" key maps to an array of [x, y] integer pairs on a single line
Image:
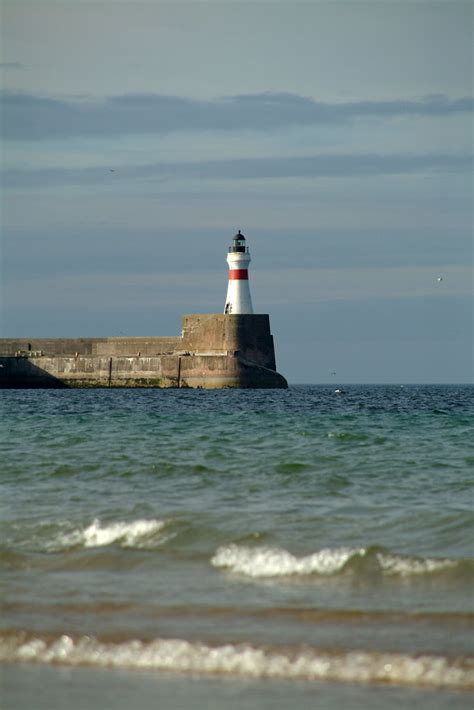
{"points": [[246, 549]]}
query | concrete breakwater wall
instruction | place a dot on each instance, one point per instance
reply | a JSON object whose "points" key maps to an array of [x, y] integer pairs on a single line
{"points": [[213, 351]]}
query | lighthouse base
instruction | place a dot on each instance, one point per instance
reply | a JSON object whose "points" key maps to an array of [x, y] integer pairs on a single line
{"points": [[214, 351]]}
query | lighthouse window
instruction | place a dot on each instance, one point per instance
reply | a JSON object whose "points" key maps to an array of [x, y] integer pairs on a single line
{"points": [[238, 246]]}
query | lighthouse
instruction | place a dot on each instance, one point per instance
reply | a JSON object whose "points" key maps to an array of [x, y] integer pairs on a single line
{"points": [[238, 291]]}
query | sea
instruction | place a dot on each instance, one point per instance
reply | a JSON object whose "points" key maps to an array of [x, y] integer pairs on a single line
{"points": [[237, 549]]}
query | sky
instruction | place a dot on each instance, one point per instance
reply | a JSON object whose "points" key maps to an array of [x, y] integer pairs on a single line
{"points": [[139, 136]]}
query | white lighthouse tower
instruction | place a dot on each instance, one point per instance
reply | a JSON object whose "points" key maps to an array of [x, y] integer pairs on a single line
{"points": [[238, 292]]}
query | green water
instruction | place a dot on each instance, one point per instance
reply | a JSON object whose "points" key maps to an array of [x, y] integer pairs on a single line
{"points": [[238, 548]]}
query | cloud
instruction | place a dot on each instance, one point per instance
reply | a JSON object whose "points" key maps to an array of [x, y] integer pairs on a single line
{"points": [[29, 117], [73, 249], [316, 166], [314, 285], [11, 65], [295, 285]]}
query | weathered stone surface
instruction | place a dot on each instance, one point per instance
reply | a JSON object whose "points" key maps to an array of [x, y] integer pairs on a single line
{"points": [[247, 334], [214, 351], [133, 346]]}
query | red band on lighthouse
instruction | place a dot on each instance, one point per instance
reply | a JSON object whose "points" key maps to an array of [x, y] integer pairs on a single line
{"points": [[238, 274]]}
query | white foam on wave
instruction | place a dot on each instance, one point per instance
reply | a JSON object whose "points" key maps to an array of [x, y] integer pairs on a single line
{"points": [[136, 533], [274, 562], [243, 660], [405, 566]]}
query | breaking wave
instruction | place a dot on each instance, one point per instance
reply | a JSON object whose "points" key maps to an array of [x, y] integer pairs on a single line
{"points": [[397, 564], [244, 659], [275, 562], [137, 533]]}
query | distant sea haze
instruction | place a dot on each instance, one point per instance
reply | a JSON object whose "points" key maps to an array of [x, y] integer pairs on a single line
{"points": [[239, 548]]}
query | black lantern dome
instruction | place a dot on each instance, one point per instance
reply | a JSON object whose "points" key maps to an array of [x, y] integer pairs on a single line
{"points": [[238, 243]]}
